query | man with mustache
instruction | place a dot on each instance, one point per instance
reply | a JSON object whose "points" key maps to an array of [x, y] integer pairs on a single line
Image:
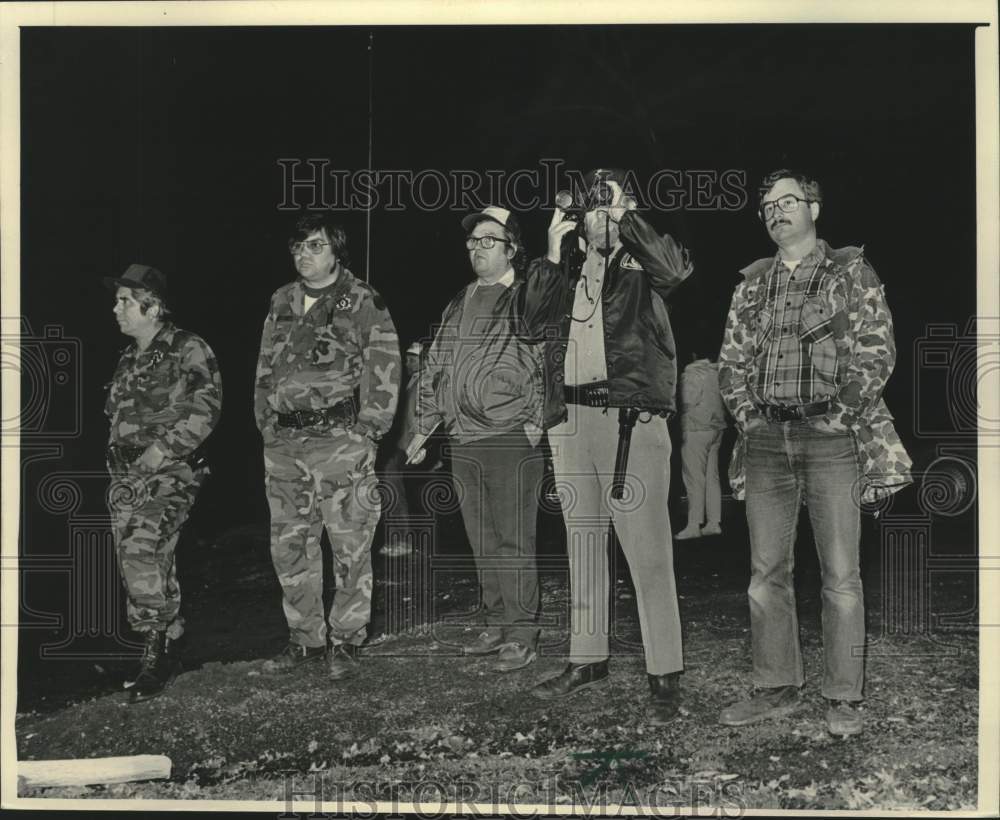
{"points": [[326, 390], [597, 300], [485, 386], [163, 402], [807, 351]]}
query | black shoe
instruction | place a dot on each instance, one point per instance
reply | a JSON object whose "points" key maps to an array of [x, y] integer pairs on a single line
{"points": [[343, 661], [293, 656], [158, 668], [573, 678], [666, 691]]}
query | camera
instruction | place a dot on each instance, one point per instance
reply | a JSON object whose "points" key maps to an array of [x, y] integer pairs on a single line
{"points": [[952, 373], [49, 368]]}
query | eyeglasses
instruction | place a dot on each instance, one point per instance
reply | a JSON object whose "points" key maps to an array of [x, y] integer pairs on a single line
{"points": [[484, 242], [314, 246], [787, 203]]}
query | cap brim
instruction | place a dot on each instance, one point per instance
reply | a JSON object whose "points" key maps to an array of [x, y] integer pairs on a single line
{"points": [[470, 221], [112, 283]]}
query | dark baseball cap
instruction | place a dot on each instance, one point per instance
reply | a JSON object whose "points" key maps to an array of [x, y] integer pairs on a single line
{"points": [[140, 276]]}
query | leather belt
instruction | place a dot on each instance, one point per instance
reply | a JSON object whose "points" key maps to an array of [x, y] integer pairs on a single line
{"points": [[594, 394], [343, 414], [793, 412], [120, 455]]}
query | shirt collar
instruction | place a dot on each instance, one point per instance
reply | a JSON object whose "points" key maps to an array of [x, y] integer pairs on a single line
{"points": [[506, 280], [815, 257]]}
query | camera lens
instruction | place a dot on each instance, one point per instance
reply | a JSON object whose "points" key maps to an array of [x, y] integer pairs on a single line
{"points": [[603, 195]]}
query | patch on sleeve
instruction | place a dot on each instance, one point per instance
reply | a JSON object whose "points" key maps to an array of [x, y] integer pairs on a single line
{"points": [[629, 262]]}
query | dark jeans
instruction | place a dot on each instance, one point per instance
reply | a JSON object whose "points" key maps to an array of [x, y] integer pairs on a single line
{"points": [[786, 462], [497, 480]]}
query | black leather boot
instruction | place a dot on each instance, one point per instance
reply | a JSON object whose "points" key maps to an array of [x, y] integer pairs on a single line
{"points": [[666, 692], [158, 668], [573, 678]]}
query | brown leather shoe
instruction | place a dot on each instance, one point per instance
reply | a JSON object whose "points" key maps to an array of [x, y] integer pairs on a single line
{"points": [[574, 678], [666, 692], [488, 642], [342, 661]]}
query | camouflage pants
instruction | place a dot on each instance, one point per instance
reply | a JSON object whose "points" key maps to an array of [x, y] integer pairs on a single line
{"points": [[147, 513], [312, 481]]}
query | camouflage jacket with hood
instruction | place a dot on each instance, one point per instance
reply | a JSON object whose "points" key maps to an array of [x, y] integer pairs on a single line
{"points": [[847, 310]]}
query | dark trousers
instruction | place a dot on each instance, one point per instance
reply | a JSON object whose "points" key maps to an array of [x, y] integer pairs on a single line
{"points": [[497, 480]]}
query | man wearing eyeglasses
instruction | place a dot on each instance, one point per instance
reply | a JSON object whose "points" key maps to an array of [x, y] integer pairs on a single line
{"points": [[599, 298], [807, 351], [326, 390], [484, 385]]}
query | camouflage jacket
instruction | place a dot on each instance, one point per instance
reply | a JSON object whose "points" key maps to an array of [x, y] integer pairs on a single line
{"points": [[344, 346], [169, 394], [852, 316]]}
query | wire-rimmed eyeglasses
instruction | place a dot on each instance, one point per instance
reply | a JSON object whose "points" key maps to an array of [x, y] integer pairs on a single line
{"points": [[787, 203], [314, 246], [484, 242]]}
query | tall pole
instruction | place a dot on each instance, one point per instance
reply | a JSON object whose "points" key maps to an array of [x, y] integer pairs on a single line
{"points": [[371, 142]]}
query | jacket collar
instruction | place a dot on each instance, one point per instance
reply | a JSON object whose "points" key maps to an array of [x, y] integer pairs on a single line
{"points": [[821, 254]]}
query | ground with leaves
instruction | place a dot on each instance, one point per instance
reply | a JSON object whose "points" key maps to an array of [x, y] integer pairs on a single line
{"points": [[421, 722]]}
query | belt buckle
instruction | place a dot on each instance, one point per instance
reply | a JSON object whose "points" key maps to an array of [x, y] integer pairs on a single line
{"points": [[297, 416]]}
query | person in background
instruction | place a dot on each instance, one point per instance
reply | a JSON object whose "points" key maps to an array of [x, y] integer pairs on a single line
{"points": [[703, 421]]}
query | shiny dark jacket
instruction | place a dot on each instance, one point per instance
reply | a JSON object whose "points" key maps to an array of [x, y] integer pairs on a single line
{"points": [[638, 342]]}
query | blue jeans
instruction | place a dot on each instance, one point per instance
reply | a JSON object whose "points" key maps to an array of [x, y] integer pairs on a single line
{"points": [[786, 462]]}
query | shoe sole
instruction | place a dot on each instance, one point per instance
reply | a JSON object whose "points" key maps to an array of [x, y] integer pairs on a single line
{"points": [[572, 691], [529, 660], [773, 714], [272, 665], [468, 652]]}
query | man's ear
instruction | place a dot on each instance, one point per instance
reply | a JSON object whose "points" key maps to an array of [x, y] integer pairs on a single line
{"points": [[814, 210]]}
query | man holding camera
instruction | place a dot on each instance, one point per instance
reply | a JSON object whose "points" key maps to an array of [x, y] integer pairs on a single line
{"points": [[807, 351], [326, 390], [163, 402], [598, 299], [484, 385]]}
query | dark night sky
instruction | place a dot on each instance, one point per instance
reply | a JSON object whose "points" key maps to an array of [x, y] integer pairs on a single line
{"points": [[161, 146]]}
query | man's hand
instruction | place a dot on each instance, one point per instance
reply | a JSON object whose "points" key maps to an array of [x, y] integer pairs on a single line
{"points": [[151, 458], [753, 424], [558, 228]]}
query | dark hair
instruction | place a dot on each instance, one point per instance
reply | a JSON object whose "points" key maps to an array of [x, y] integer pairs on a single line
{"points": [[148, 299], [310, 223], [810, 187]]}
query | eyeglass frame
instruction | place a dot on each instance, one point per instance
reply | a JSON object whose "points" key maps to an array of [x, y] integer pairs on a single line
{"points": [[774, 204], [296, 246], [473, 242]]}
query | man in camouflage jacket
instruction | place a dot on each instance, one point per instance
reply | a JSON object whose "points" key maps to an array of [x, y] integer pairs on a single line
{"points": [[164, 400], [807, 351], [326, 390]]}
